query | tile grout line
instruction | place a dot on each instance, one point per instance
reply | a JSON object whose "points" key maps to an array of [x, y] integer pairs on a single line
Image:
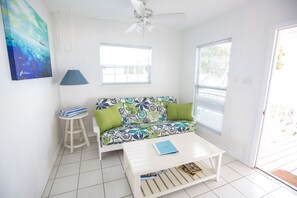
{"points": [[103, 183], [89, 186], [274, 190], [125, 174], [261, 186], [78, 173], [76, 161], [187, 193], [127, 196], [226, 185], [58, 166], [245, 176], [219, 186], [237, 190], [112, 166], [239, 172], [121, 163], [276, 180], [214, 193], [84, 151], [63, 193], [206, 193]]}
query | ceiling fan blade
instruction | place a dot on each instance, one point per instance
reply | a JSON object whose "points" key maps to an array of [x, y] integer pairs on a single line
{"points": [[138, 6], [132, 28], [150, 27], [180, 15], [162, 27], [120, 19], [116, 17]]}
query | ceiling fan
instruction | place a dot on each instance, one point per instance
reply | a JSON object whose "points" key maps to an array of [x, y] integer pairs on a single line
{"points": [[144, 17]]}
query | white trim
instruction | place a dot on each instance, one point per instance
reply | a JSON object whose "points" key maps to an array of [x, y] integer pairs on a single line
{"points": [[215, 42], [196, 83], [127, 46], [272, 39], [126, 83]]}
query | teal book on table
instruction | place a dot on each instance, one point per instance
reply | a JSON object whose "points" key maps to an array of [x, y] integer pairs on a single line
{"points": [[165, 147]]}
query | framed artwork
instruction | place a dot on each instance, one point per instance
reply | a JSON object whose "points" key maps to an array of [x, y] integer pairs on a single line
{"points": [[27, 42]]}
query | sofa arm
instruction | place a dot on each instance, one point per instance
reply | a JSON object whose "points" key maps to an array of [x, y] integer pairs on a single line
{"points": [[194, 117], [96, 129]]}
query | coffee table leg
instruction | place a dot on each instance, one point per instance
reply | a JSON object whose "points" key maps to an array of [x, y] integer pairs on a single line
{"points": [[137, 191], [218, 166], [125, 162]]}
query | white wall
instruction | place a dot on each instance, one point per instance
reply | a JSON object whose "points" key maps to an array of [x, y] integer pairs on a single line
{"points": [[29, 134], [88, 34], [250, 28]]}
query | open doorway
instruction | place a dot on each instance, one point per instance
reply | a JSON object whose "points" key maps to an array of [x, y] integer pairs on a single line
{"points": [[277, 153]]}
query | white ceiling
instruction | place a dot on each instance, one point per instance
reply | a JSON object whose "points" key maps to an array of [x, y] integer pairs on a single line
{"points": [[196, 11]]}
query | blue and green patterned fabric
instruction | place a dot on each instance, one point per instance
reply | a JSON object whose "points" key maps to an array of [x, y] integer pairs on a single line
{"points": [[139, 110], [132, 132], [143, 118]]}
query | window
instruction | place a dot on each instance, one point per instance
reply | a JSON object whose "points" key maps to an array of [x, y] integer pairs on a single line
{"points": [[211, 83], [125, 64]]}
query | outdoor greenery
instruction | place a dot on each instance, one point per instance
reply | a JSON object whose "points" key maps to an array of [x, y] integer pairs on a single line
{"points": [[214, 64], [279, 58]]}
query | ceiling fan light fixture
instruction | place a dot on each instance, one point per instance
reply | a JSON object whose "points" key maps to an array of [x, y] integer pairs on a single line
{"points": [[150, 27], [139, 27], [132, 28], [144, 17]]}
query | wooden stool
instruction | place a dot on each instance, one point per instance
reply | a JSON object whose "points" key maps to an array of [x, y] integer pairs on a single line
{"points": [[71, 129]]}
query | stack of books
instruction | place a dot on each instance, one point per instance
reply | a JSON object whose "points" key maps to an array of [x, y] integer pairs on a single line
{"points": [[165, 147], [73, 111], [190, 168]]}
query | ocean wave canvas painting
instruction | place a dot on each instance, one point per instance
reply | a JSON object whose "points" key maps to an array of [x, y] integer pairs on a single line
{"points": [[27, 41]]}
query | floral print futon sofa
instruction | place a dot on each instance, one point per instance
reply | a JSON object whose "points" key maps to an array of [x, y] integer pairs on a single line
{"points": [[142, 118]]}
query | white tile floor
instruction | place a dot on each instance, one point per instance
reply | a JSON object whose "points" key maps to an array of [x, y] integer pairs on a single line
{"points": [[82, 175]]}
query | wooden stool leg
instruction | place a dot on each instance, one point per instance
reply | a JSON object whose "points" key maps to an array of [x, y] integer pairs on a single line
{"points": [[81, 136], [71, 136], [66, 135], [76, 126], [84, 131]]}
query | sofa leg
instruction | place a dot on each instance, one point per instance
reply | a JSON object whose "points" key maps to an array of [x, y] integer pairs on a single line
{"points": [[99, 146]]}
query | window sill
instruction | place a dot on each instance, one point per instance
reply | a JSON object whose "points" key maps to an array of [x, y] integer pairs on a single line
{"points": [[208, 129]]}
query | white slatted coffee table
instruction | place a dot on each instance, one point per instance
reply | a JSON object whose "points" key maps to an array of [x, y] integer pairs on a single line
{"points": [[140, 157]]}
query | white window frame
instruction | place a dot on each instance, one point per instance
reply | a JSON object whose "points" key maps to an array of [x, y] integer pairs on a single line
{"points": [[219, 89], [149, 67]]}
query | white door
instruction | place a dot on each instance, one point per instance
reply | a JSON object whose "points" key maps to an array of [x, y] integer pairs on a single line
{"points": [[277, 153]]}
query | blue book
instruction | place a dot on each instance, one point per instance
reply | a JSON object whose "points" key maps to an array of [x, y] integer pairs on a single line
{"points": [[165, 147], [72, 110], [69, 115], [152, 175]]}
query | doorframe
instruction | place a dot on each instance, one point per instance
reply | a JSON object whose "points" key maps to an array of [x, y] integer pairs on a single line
{"points": [[265, 87]]}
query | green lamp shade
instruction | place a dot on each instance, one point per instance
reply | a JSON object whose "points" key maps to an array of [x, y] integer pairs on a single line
{"points": [[74, 77]]}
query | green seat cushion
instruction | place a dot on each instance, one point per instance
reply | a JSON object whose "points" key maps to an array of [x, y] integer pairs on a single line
{"points": [[108, 118], [179, 111]]}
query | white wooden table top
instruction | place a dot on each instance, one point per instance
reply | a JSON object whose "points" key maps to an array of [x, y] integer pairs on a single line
{"points": [[143, 157]]}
